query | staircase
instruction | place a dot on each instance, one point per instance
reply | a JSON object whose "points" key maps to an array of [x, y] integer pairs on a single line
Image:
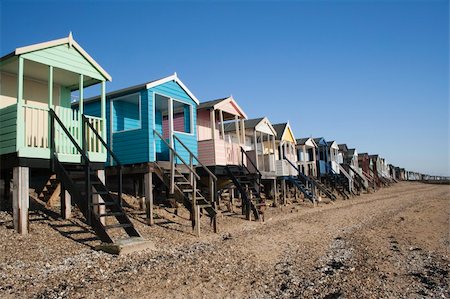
{"points": [[50, 192], [185, 184], [248, 185], [359, 179], [322, 188], [299, 184], [102, 210]]}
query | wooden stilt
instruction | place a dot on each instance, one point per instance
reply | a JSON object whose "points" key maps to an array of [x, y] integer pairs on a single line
{"points": [[100, 209], [148, 181], [21, 199], [66, 203], [274, 193], [283, 187]]}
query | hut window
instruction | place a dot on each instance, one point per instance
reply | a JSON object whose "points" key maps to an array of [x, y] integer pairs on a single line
{"points": [[127, 113], [182, 117]]}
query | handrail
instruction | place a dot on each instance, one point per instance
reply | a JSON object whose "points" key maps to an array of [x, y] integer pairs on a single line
{"points": [[85, 119], [55, 117], [196, 158], [108, 149], [249, 159], [176, 154], [292, 164], [299, 172]]}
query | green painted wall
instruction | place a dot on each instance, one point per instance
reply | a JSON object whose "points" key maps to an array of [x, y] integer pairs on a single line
{"points": [[8, 129], [66, 58]]}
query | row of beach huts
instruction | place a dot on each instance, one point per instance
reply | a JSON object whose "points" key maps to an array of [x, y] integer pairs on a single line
{"points": [[158, 142]]}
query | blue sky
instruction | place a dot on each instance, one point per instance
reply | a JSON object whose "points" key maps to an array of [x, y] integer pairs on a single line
{"points": [[372, 74]]}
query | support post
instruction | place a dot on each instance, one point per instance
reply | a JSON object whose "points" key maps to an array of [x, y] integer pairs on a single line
{"points": [[20, 140], [103, 110], [274, 192], [148, 181], [96, 198], [236, 123], [195, 210], [21, 199], [283, 187], [66, 203], [256, 148], [262, 151], [222, 129], [213, 124], [213, 201], [81, 89], [243, 131]]}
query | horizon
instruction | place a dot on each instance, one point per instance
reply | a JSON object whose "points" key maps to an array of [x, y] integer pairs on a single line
{"points": [[358, 73]]}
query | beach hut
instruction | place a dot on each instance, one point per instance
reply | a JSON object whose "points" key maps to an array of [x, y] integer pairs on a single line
{"points": [[152, 128], [306, 153], [322, 156], [217, 147], [259, 144], [222, 139], [287, 167], [63, 147]]}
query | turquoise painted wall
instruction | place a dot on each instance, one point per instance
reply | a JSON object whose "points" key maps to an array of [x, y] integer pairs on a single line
{"points": [[139, 146], [173, 90]]}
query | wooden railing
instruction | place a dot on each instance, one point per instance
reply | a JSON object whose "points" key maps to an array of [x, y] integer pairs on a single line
{"points": [[37, 130], [93, 132], [36, 126]]}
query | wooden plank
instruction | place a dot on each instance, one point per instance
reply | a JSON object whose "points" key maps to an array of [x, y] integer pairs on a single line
{"points": [[148, 185], [66, 202], [55, 196], [20, 199]]}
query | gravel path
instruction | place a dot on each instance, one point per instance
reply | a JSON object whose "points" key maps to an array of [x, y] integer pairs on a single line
{"points": [[393, 243]]}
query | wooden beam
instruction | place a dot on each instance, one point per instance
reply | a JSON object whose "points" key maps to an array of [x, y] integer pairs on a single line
{"points": [[236, 122], [81, 90], [66, 203], [21, 199], [103, 109], [256, 148], [96, 198], [262, 150], [243, 131], [50, 86], [213, 124], [20, 140], [148, 181], [222, 130]]}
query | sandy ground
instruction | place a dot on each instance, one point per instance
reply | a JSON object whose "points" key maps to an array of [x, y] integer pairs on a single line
{"points": [[390, 244]]}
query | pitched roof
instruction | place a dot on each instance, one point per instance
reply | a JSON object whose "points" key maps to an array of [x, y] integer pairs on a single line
{"points": [[216, 104], [57, 42], [279, 128], [351, 151], [146, 85], [302, 141], [317, 140], [210, 104], [343, 147], [248, 123]]}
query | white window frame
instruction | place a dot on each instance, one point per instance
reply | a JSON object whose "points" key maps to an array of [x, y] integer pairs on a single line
{"points": [[191, 118], [140, 112]]}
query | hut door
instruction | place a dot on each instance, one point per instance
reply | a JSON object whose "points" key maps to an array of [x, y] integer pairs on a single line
{"points": [[162, 127]]}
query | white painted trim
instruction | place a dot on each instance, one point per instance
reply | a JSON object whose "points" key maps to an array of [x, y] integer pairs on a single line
{"points": [[228, 100], [57, 42], [154, 125], [191, 118], [175, 78], [269, 124], [140, 112]]}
